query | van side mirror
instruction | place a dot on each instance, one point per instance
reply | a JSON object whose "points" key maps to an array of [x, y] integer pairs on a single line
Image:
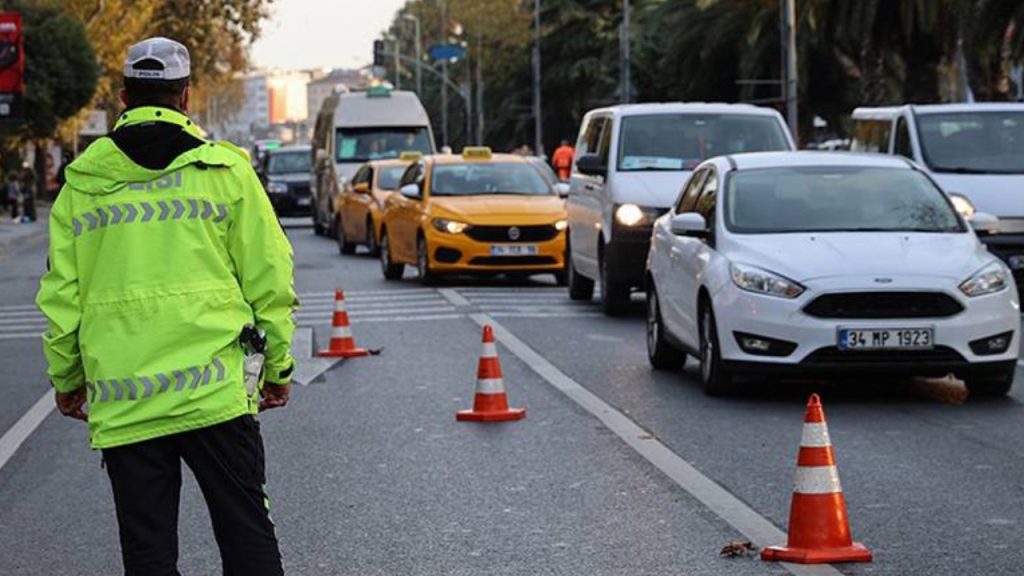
{"points": [[591, 165], [562, 189], [410, 191], [689, 224]]}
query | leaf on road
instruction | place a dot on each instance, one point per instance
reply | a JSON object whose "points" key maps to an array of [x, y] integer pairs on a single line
{"points": [[737, 548]]}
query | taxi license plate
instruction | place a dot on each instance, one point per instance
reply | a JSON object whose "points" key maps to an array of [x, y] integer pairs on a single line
{"points": [[303, 201], [886, 339], [514, 250]]}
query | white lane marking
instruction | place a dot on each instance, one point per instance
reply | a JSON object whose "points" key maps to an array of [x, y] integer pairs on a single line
{"points": [[375, 305], [19, 307], [21, 335], [546, 314], [360, 299], [454, 297], [21, 314], [14, 327], [426, 318], [24, 427], [384, 312], [717, 499], [525, 300], [330, 295]]}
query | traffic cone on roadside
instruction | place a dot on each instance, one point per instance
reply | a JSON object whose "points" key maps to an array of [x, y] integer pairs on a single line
{"points": [[342, 344], [490, 404], [819, 530]]}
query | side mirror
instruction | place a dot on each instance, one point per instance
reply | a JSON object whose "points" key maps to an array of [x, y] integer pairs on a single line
{"points": [[689, 224], [361, 188], [591, 165], [562, 189], [984, 223], [410, 191]]}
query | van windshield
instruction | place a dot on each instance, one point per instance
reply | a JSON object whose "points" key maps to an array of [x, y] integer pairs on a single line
{"points": [[365, 144], [681, 141], [973, 142]]}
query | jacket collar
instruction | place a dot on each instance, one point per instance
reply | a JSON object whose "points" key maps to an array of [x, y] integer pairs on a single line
{"points": [[145, 114]]}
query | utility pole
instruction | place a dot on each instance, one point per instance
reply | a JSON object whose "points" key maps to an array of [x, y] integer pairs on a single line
{"points": [[469, 99], [480, 89], [790, 84], [538, 142], [625, 94], [398, 65], [419, 53], [444, 75]]}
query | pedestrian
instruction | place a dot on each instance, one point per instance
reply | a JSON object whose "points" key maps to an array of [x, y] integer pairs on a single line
{"points": [[561, 160], [13, 193], [168, 274], [28, 197]]}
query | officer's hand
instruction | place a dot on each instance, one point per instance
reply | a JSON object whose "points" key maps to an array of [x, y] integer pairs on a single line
{"points": [[275, 396], [70, 404]]}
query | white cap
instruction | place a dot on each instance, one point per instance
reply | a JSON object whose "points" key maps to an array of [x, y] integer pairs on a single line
{"points": [[158, 58]]}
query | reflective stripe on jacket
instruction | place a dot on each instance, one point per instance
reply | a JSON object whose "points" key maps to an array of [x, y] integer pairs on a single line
{"points": [[152, 275]]}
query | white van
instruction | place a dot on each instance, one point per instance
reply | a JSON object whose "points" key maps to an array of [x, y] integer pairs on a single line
{"points": [[354, 128], [975, 152], [631, 162]]}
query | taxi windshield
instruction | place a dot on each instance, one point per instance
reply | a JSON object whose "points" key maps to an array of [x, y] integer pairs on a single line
{"points": [[682, 141], [472, 179], [387, 178]]}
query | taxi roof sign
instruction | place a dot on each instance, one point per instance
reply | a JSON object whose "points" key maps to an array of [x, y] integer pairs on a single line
{"points": [[378, 91], [410, 155], [476, 153]]}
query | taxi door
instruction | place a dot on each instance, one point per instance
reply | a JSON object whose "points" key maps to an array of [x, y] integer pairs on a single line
{"points": [[362, 196], [347, 205], [407, 209]]}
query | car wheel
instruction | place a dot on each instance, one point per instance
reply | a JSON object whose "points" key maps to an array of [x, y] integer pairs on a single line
{"points": [[714, 376], [391, 270], [614, 295], [991, 383], [371, 239], [581, 288], [344, 246], [660, 352], [423, 262]]}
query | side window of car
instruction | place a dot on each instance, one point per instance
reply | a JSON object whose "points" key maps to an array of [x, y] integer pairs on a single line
{"points": [[708, 198], [604, 143], [412, 174], [360, 176], [688, 197], [369, 176], [902, 146], [590, 137]]}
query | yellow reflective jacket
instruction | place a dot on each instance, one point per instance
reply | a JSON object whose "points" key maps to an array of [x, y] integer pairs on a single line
{"points": [[153, 272]]}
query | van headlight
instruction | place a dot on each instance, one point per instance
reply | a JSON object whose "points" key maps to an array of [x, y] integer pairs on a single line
{"points": [[990, 279], [448, 226], [962, 205], [759, 281], [630, 215]]}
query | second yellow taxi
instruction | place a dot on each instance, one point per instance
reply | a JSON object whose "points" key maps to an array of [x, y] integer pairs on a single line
{"points": [[361, 202], [475, 213]]}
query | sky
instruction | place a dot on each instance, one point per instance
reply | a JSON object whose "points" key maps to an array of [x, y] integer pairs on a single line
{"points": [[322, 33]]}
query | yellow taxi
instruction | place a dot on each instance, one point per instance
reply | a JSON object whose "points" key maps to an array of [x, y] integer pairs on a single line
{"points": [[359, 206], [476, 213]]}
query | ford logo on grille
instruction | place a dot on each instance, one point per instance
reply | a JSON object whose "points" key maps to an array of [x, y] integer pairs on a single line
{"points": [[883, 280], [513, 233]]}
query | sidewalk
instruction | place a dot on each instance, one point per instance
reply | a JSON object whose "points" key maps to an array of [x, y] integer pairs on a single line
{"points": [[13, 234]]}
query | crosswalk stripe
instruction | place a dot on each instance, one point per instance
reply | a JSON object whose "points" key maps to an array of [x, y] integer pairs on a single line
{"points": [[356, 293], [392, 311], [20, 314], [15, 327], [4, 309], [375, 305], [429, 317], [23, 335], [545, 314]]}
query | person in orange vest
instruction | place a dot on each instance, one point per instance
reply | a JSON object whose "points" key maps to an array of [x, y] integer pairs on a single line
{"points": [[561, 160]]}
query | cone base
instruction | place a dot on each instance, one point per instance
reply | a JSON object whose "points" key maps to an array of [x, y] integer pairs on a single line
{"points": [[856, 552], [503, 416], [351, 353]]}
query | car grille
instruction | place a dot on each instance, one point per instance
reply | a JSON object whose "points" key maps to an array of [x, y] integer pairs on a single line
{"points": [[512, 260], [834, 356], [504, 234], [884, 305], [299, 189]]}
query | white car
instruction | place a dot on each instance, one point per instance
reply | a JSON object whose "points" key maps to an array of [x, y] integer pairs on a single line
{"points": [[808, 263]]}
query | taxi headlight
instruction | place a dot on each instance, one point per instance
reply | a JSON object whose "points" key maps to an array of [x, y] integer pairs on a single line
{"points": [[448, 226], [988, 280], [561, 225], [962, 205], [275, 187], [753, 279]]}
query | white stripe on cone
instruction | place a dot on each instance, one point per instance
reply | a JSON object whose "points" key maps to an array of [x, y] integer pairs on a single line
{"points": [[815, 435], [490, 386], [341, 332], [817, 480], [490, 350], [339, 305]]}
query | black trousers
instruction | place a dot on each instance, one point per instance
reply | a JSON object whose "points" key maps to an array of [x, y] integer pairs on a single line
{"points": [[228, 463]]}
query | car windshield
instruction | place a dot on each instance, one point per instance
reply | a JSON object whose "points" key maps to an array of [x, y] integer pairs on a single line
{"points": [[365, 144], [288, 163], [387, 178], [836, 199], [681, 141], [973, 142], [470, 179]]}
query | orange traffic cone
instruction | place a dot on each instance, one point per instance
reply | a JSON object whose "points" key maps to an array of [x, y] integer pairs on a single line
{"points": [[819, 530], [490, 403], [342, 344]]}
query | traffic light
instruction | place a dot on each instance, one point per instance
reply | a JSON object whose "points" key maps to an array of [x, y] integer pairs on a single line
{"points": [[378, 52]]}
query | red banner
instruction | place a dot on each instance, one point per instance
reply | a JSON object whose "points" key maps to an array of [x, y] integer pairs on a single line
{"points": [[12, 54]]}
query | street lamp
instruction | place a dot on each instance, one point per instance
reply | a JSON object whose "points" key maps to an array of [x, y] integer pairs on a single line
{"points": [[419, 53]]}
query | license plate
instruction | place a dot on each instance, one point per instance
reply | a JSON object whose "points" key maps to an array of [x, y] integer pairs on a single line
{"points": [[302, 201], [886, 339], [514, 250]]}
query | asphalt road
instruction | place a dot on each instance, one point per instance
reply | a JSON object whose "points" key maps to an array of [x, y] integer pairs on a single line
{"points": [[370, 473]]}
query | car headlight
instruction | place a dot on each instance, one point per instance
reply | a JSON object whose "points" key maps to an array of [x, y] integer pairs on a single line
{"points": [[277, 187], [448, 226], [561, 225], [992, 278], [753, 279], [633, 215], [962, 205]]}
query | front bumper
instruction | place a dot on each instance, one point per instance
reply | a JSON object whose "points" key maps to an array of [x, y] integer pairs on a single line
{"points": [[457, 253], [294, 202], [814, 340], [626, 255]]}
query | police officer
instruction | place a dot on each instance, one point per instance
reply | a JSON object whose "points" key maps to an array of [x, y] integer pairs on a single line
{"points": [[163, 248]]}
